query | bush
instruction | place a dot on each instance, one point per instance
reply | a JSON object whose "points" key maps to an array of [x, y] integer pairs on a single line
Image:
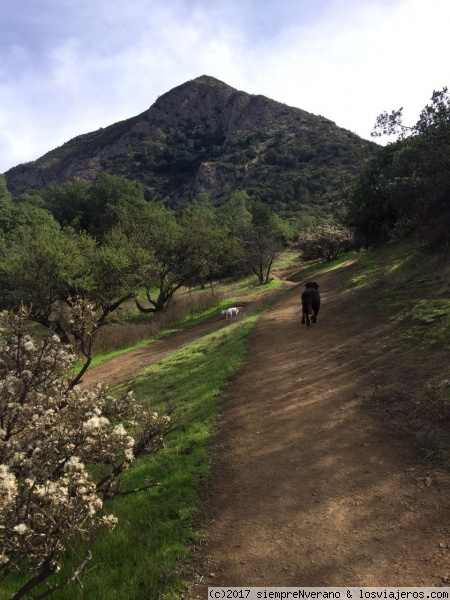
{"points": [[52, 438], [326, 242]]}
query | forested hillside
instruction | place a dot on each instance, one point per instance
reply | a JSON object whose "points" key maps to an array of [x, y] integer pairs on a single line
{"points": [[207, 135]]}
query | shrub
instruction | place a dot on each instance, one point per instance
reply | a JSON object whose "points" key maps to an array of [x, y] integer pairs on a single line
{"points": [[52, 438], [326, 242]]}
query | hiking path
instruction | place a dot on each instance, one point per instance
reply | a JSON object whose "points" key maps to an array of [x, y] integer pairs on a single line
{"points": [[308, 487]]}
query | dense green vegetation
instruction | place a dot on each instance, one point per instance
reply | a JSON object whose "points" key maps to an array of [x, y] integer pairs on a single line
{"points": [[405, 187], [205, 133], [104, 244]]}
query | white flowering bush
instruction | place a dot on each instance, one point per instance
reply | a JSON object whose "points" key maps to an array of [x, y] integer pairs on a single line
{"points": [[326, 242], [51, 435]]}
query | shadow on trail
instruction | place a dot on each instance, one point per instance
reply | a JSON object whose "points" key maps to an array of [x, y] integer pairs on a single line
{"points": [[309, 489]]}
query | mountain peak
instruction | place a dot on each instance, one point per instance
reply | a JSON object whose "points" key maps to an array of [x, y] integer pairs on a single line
{"points": [[208, 79], [204, 82], [207, 134]]}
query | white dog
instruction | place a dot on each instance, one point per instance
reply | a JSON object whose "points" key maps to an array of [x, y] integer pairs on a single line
{"points": [[232, 312]]}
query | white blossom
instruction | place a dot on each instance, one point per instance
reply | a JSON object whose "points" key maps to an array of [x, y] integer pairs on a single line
{"points": [[95, 423], [110, 521], [21, 529], [8, 484], [120, 430], [52, 432], [74, 464]]}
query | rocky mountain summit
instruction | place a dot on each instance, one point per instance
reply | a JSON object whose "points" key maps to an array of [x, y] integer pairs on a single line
{"points": [[206, 134]]}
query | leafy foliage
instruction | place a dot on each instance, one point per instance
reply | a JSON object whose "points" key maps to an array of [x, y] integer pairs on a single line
{"points": [[96, 207], [262, 241], [405, 187], [326, 243], [24, 211], [111, 244], [49, 269]]}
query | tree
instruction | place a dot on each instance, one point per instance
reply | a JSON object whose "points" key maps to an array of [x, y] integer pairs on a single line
{"points": [[96, 207], [235, 213], [385, 197], [159, 232], [42, 266], [69, 203], [50, 269], [187, 247], [26, 210], [49, 435], [424, 149], [434, 116], [326, 242], [208, 247], [114, 201], [262, 241], [117, 270]]}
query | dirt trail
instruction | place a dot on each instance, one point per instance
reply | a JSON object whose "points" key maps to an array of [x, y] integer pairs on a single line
{"points": [[308, 488]]}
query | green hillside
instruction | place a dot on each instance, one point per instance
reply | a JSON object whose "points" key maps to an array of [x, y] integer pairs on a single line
{"points": [[207, 135]]}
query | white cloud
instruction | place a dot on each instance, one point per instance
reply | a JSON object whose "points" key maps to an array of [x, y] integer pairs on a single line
{"points": [[355, 65]]}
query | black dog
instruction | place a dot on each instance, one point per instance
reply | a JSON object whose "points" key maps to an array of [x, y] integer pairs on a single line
{"points": [[310, 302]]}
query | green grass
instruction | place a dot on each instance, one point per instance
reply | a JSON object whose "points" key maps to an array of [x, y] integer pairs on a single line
{"points": [[287, 259], [412, 290], [322, 267], [192, 320], [100, 358], [141, 559]]}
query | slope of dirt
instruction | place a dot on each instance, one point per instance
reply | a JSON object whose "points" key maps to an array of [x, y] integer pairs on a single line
{"points": [[308, 488]]}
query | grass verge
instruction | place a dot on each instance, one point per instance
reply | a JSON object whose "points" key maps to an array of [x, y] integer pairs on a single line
{"points": [[323, 267]]}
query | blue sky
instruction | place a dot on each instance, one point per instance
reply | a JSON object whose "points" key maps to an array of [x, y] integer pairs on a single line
{"points": [[68, 67]]}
